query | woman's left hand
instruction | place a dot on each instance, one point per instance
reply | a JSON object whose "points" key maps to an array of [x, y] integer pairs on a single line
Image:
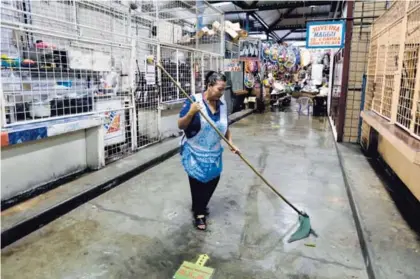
{"points": [[233, 148]]}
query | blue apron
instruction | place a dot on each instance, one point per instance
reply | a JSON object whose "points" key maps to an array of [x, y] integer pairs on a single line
{"points": [[202, 154]]}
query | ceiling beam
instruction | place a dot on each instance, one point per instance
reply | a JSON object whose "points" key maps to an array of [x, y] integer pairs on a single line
{"points": [[299, 30], [339, 9], [254, 4], [294, 16], [243, 5], [294, 39], [244, 11], [264, 25], [287, 34], [333, 9], [289, 27], [290, 4], [281, 17]]}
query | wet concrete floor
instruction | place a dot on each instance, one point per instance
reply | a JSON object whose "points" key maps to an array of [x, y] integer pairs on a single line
{"points": [[143, 228]]}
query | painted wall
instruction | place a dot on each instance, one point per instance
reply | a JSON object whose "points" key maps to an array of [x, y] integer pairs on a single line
{"points": [[408, 172], [169, 120], [29, 165], [169, 125]]}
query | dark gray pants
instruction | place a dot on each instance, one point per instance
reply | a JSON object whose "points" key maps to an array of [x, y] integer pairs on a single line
{"points": [[201, 194]]}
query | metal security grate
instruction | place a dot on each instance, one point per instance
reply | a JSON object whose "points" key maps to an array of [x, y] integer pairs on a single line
{"points": [[68, 59], [413, 4], [396, 45], [370, 87], [395, 13], [146, 96], [178, 63], [198, 71], [206, 66], [413, 40], [59, 65], [409, 72], [379, 79], [391, 68], [189, 24]]}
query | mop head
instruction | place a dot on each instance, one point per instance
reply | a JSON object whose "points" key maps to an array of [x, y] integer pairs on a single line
{"points": [[304, 229]]}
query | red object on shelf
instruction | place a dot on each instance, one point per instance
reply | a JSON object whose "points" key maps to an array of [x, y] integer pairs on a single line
{"points": [[4, 139], [41, 44]]}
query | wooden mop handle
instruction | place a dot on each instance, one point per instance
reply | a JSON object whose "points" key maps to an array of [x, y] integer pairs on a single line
{"points": [[228, 143]]}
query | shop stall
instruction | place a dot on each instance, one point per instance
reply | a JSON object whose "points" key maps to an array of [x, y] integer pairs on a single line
{"points": [[281, 63], [82, 75]]}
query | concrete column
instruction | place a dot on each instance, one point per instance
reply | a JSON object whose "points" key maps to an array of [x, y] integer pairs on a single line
{"points": [[95, 147]]}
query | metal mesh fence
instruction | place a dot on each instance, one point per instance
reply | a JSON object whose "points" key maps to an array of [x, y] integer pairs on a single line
{"points": [[391, 66], [65, 59], [190, 24], [364, 14], [198, 71], [409, 91], [50, 70], [371, 71], [177, 62], [393, 80], [379, 76], [146, 95]]}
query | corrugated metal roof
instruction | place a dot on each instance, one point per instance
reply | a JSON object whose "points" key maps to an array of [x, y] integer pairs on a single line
{"points": [[269, 16], [293, 17]]}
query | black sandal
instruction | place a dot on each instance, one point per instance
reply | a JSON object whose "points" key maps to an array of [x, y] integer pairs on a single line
{"points": [[206, 213], [200, 221]]}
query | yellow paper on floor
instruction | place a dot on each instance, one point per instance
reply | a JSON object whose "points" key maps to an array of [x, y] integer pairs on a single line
{"points": [[189, 270]]}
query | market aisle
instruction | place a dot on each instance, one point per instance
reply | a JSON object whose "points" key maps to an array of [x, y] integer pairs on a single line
{"points": [[143, 228]]}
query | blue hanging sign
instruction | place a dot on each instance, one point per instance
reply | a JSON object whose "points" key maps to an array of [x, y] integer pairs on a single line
{"points": [[325, 34]]}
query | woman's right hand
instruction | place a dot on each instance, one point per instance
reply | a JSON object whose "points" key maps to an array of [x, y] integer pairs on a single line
{"points": [[195, 107]]}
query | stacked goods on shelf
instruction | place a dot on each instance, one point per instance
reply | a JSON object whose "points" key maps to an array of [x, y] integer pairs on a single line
{"points": [[233, 32]]}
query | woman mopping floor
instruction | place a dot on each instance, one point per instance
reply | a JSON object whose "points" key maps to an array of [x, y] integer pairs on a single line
{"points": [[201, 147]]}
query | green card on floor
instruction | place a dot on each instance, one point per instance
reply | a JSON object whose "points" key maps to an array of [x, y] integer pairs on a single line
{"points": [[190, 270]]}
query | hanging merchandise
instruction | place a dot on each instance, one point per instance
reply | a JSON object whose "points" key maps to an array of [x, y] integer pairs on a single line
{"points": [[290, 59], [297, 55], [251, 66], [265, 50], [271, 67], [274, 53], [282, 54], [249, 81], [305, 57], [280, 58], [249, 49], [251, 74], [282, 69]]}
